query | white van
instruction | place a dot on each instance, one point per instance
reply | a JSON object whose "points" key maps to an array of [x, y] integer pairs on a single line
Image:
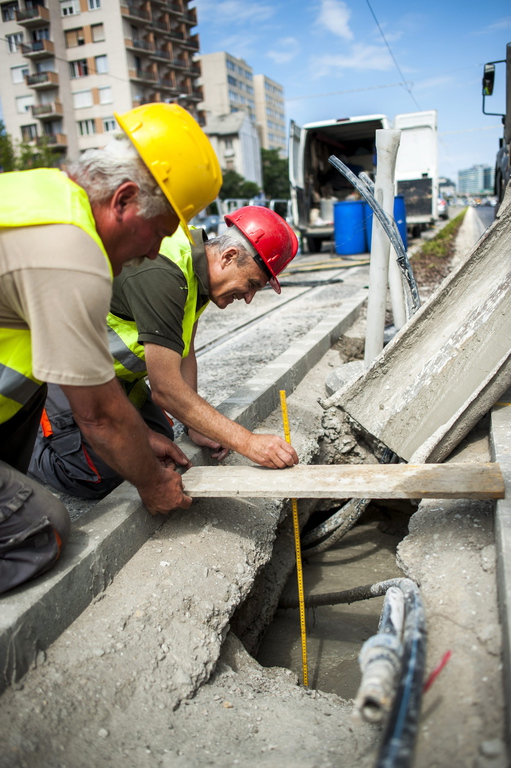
{"points": [[316, 185]]}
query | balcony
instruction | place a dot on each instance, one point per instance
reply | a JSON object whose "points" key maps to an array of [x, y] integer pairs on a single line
{"points": [[33, 17], [47, 111], [168, 84], [175, 8], [192, 42], [42, 81], [161, 53], [130, 11], [41, 49], [176, 34], [179, 63], [56, 140], [162, 25], [143, 76], [139, 45], [190, 17]]}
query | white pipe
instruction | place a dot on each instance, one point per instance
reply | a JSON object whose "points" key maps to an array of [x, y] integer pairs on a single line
{"points": [[397, 296], [387, 144]]}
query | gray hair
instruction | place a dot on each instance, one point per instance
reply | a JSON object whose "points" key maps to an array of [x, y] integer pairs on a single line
{"points": [[225, 241], [101, 171]]}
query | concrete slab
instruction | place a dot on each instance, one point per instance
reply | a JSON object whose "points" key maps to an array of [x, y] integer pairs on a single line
{"points": [[107, 536], [449, 363], [501, 451]]}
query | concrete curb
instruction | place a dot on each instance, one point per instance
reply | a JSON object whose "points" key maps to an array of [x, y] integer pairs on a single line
{"points": [[500, 436], [107, 536]]}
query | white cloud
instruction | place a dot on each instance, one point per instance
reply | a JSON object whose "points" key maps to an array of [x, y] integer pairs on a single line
{"points": [[501, 24], [334, 16], [361, 57], [233, 12], [286, 50]]}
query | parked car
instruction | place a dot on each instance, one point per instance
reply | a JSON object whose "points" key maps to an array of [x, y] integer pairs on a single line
{"points": [[443, 212], [211, 219]]}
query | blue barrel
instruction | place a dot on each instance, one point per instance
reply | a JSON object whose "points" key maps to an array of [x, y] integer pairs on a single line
{"points": [[399, 217], [349, 230]]}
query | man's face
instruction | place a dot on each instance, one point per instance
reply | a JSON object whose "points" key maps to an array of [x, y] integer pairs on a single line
{"points": [[143, 237], [229, 282]]}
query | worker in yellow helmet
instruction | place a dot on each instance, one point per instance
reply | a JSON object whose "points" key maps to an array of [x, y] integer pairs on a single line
{"points": [[62, 239]]}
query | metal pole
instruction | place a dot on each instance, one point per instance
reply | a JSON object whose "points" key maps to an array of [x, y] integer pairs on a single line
{"points": [[387, 144]]}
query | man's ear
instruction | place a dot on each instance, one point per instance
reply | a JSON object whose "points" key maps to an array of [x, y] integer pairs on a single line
{"points": [[228, 257], [125, 195]]}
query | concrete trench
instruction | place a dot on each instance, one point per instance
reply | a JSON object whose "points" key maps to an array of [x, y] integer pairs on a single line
{"points": [[153, 673]]}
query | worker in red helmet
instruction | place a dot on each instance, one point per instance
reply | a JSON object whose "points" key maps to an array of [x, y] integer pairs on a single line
{"points": [[151, 327]]}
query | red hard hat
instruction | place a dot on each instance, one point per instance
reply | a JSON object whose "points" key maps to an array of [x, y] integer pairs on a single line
{"points": [[271, 237]]}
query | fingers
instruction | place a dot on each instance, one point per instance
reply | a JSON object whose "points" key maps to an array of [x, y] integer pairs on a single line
{"points": [[220, 455]]}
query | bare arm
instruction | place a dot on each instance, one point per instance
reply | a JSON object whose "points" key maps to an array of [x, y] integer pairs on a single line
{"points": [[189, 374], [171, 392], [117, 433]]}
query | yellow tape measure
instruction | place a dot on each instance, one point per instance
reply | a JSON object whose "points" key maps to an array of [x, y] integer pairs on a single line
{"points": [[298, 552]]}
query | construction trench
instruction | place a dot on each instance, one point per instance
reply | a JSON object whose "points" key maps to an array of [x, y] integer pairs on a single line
{"points": [[140, 648]]}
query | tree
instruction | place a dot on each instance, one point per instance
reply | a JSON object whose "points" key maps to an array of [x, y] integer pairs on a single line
{"points": [[234, 185], [7, 153], [275, 174], [21, 156]]}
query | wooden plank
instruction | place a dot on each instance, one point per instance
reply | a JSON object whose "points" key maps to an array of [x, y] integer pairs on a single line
{"points": [[347, 481]]}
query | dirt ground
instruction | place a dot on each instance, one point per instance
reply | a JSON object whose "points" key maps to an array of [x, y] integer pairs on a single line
{"points": [[134, 684]]}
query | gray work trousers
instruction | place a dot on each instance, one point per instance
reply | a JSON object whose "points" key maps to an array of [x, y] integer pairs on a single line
{"points": [[34, 528], [67, 462]]}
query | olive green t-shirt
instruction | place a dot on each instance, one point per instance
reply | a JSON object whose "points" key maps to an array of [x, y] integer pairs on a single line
{"points": [[154, 296]]}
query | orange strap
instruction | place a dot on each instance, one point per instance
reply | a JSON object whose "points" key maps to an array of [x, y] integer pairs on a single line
{"points": [[45, 424]]}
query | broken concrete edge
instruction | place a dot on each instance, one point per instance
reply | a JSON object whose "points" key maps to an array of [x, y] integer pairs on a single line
{"points": [[500, 437], [106, 537]]}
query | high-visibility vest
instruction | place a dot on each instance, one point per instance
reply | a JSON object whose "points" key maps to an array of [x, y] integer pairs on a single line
{"points": [[32, 198], [128, 354]]}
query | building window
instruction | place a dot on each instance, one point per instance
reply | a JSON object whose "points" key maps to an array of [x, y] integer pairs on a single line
{"points": [[41, 34], [232, 81], [74, 37], [101, 64], [14, 41], [23, 104], [79, 68], [18, 74], [230, 65], [8, 11], [46, 65], [94, 5], [69, 7], [98, 33], [86, 127], [109, 124], [82, 99], [105, 95], [29, 132]]}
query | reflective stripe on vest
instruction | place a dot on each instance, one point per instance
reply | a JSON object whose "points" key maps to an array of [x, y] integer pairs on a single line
{"points": [[128, 354], [33, 198]]}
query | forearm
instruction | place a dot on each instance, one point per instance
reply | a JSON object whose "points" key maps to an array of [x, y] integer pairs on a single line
{"points": [[117, 433], [197, 414]]}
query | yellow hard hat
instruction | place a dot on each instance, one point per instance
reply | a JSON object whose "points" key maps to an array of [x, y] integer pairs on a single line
{"points": [[178, 153]]}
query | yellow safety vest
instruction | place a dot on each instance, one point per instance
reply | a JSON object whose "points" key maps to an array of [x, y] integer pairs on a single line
{"points": [[128, 354], [27, 199]]}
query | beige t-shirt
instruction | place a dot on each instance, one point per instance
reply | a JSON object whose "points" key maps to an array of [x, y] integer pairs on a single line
{"points": [[55, 281]]}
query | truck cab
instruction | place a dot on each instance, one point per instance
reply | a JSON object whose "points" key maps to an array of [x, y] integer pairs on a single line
{"points": [[503, 158]]}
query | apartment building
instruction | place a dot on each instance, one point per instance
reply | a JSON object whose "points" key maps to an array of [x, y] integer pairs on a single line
{"points": [[68, 65], [227, 85], [270, 114]]}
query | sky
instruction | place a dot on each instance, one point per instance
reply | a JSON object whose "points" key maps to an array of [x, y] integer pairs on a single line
{"points": [[341, 58]]}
